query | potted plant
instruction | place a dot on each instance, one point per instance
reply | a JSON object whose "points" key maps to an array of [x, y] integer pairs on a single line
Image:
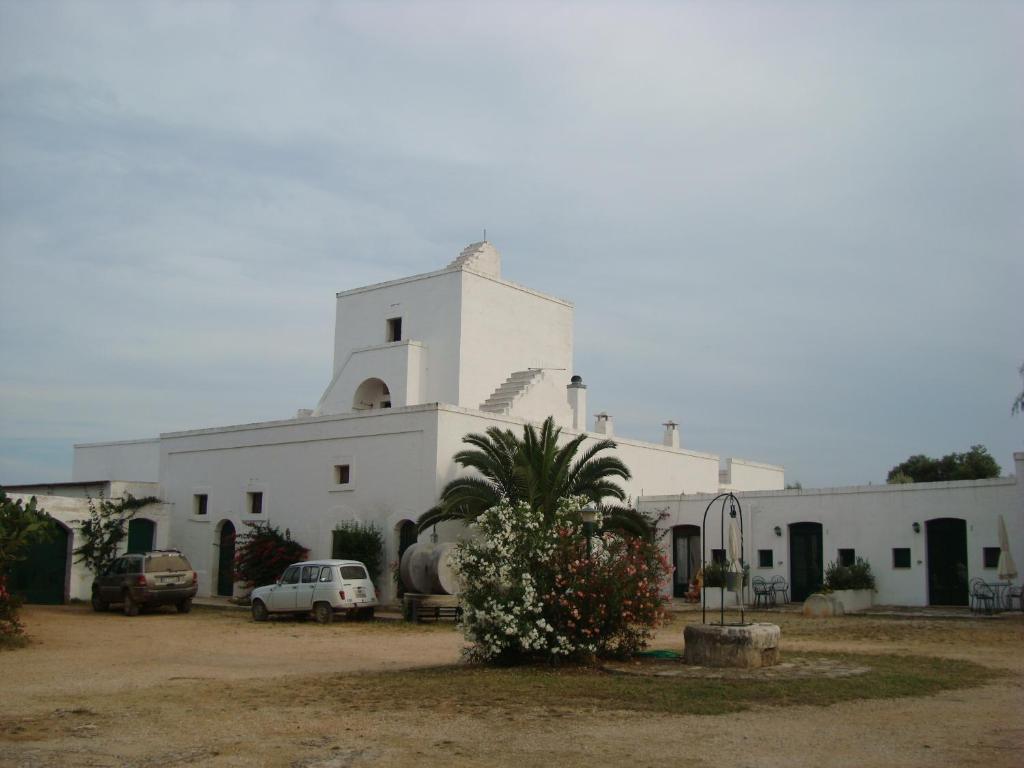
{"points": [[852, 585], [716, 577]]}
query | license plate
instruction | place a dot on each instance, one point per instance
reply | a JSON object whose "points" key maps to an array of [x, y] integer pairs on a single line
{"points": [[168, 580], [360, 592]]}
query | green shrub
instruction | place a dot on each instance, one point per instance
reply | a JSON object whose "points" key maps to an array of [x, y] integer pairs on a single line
{"points": [[533, 589], [21, 526], [856, 576], [715, 574], [263, 552], [359, 541]]}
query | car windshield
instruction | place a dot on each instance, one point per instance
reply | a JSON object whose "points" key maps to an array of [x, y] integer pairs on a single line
{"points": [[353, 572], [163, 563]]}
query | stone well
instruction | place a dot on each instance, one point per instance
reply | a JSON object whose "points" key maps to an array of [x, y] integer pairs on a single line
{"points": [[739, 645]]}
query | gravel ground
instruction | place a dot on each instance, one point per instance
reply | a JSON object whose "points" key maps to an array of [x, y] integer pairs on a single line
{"points": [[213, 688]]}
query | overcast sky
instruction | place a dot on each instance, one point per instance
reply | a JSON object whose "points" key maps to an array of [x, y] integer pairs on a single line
{"points": [[795, 228]]}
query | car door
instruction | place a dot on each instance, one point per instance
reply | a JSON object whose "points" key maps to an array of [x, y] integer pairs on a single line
{"points": [[304, 591], [110, 581], [283, 596]]}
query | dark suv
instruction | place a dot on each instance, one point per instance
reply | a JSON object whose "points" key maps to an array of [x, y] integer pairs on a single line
{"points": [[162, 577]]}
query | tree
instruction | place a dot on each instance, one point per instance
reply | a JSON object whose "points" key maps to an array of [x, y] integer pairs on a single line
{"points": [[263, 552], [352, 540], [976, 464], [537, 471], [21, 526]]}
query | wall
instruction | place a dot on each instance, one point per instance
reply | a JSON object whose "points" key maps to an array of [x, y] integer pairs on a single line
{"points": [[744, 475], [71, 510], [872, 520], [124, 460], [429, 306], [391, 457], [508, 328]]}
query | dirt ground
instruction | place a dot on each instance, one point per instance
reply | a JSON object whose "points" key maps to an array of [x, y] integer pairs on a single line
{"points": [[215, 689]]}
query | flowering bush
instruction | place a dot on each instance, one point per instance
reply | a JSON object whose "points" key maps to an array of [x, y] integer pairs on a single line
{"points": [[10, 625], [532, 590], [263, 552]]}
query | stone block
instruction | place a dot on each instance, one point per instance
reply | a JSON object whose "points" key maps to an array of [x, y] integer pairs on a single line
{"points": [[819, 606], [746, 646]]}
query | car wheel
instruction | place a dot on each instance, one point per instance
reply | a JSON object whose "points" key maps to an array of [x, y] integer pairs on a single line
{"points": [[185, 605], [98, 604], [259, 611], [131, 608], [323, 613]]}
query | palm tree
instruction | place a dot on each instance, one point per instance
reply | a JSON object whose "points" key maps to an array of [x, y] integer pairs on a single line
{"points": [[536, 470]]}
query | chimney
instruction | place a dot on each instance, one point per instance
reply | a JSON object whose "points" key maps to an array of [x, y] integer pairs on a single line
{"points": [[671, 438], [604, 425], [577, 395]]}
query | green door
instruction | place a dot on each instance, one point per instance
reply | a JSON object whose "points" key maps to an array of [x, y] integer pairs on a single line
{"points": [[140, 535], [226, 560], [42, 576]]}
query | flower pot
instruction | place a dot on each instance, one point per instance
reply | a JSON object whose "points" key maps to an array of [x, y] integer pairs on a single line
{"points": [[734, 581], [855, 599]]}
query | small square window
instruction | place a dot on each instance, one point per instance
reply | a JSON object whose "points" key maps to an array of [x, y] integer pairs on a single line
{"points": [[718, 555], [199, 502], [395, 329], [901, 557], [765, 558], [847, 557], [342, 474], [256, 503], [990, 557]]}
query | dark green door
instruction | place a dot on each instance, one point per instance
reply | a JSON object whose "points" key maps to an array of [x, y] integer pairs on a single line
{"points": [[806, 573], [226, 560], [140, 535], [41, 577], [947, 561]]}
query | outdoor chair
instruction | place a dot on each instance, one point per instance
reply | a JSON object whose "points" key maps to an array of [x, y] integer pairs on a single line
{"points": [[982, 597], [1015, 593], [780, 586], [763, 593]]}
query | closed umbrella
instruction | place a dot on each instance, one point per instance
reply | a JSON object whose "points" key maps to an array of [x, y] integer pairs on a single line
{"points": [[735, 550], [1007, 570]]}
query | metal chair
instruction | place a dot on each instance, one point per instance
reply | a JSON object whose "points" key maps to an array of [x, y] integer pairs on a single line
{"points": [[763, 592], [1014, 592], [780, 586], [982, 597]]}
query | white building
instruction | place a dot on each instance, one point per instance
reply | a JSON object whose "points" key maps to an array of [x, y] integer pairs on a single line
{"points": [[924, 541], [418, 363]]}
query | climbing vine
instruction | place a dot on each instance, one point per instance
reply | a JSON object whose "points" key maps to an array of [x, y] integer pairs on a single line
{"points": [[106, 527]]}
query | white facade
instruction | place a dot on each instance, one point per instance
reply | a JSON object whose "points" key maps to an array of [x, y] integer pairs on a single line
{"points": [[68, 504], [418, 363], [872, 520]]}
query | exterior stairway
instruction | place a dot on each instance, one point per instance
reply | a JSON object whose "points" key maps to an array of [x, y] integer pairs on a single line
{"points": [[515, 386]]}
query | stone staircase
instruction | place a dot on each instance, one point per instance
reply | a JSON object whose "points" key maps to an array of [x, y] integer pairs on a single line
{"points": [[515, 386], [481, 257]]}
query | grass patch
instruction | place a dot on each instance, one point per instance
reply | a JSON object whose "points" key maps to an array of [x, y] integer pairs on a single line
{"points": [[531, 688]]}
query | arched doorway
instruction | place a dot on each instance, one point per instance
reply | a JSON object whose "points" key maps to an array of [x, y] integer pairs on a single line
{"points": [[42, 577], [806, 571], [685, 557], [226, 559], [947, 561], [407, 536], [141, 534], [372, 393]]}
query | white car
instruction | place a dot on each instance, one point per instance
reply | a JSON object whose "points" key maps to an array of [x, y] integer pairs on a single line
{"points": [[324, 587]]}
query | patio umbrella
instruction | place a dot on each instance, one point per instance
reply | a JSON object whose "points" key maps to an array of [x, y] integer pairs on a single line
{"points": [[1007, 570]]}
